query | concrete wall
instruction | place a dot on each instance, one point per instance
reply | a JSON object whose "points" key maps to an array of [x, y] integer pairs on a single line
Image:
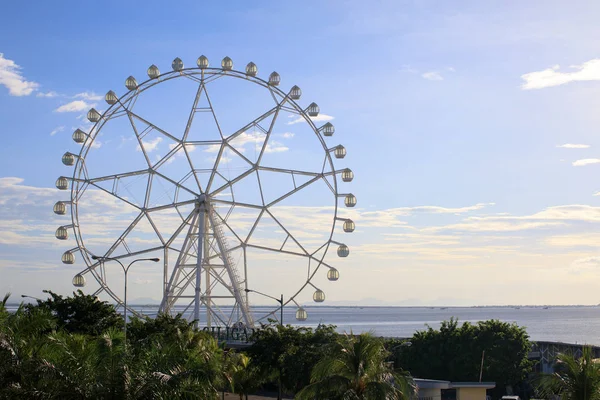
{"points": [[470, 393]]}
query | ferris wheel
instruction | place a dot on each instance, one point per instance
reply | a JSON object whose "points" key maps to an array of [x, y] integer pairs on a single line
{"points": [[208, 176]]}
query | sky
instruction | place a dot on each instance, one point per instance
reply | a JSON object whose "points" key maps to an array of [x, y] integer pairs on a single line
{"points": [[471, 129]]}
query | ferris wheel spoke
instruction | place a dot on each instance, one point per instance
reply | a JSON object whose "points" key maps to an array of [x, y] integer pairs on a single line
{"points": [[113, 193], [289, 171], [151, 125], [296, 190], [212, 111], [275, 250], [185, 222], [116, 176], [231, 182], [289, 235], [139, 139], [193, 111], [127, 230], [171, 205], [177, 184], [237, 203], [268, 136]]}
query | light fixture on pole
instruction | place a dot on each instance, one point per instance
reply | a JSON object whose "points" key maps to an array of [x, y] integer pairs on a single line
{"points": [[280, 301], [125, 270]]}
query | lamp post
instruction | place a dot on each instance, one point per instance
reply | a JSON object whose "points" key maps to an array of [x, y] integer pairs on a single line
{"points": [[280, 301], [125, 270], [30, 297]]}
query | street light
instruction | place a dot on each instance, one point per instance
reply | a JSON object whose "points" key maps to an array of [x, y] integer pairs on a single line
{"points": [[125, 270], [30, 297], [280, 301]]}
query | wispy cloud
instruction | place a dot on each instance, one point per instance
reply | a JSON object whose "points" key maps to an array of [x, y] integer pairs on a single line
{"points": [[588, 71], [432, 76], [586, 264], [13, 80], [56, 130], [318, 118], [47, 94], [90, 96], [150, 145], [586, 161], [573, 146], [74, 106]]}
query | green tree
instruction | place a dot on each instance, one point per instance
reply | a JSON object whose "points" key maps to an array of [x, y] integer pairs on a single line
{"points": [[244, 376], [454, 353], [573, 379], [143, 330], [76, 366], [294, 350], [22, 340], [81, 313], [357, 369], [187, 365]]}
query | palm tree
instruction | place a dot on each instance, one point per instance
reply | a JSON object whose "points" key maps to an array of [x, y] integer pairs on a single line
{"points": [[186, 365], [574, 378], [22, 340], [245, 378], [356, 369]]}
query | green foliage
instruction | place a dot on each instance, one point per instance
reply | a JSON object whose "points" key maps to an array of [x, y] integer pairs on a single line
{"points": [[242, 375], [356, 368], [141, 331], [38, 359], [186, 365], [573, 379], [454, 353], [82, 313], [293, 350]]}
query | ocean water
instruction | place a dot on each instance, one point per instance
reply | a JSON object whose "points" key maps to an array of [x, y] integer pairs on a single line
{"points": [[569, 324], [557, 324]]}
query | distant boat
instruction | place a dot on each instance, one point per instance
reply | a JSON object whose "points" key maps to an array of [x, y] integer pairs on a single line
{"points": [[443, 308], [545, 308]]}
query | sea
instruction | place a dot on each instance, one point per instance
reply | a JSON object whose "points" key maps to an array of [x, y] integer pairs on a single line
{"points": [[568, 324]]}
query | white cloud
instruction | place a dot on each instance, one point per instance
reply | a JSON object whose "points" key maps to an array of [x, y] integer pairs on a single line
{"points": [[432, 76], [586, 161], [56, 130], [150, 145], [47, 94], [287, 135], [573, 146], [588, 71], [596, 194], [585, 264], [13, 80], [90, 96], [318, 118], [74, 106], [275, 147]]}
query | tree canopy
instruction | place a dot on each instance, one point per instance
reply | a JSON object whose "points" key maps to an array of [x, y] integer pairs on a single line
{"points": [[454, 353], [81, 313]]}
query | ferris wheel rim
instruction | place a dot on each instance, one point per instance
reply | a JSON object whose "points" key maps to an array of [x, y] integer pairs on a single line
{"points": [[79, 169]]}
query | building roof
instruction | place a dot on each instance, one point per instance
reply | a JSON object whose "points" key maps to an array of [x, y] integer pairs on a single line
{"points": [[485, 385], [432, 384]]}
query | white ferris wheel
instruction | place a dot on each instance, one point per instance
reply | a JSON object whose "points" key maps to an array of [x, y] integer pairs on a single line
{"points": [[205, 174]]}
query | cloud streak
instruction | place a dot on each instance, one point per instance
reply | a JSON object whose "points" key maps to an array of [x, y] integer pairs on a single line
{"points": [[74, 106], [13, 80], [573, 146], [586, 161], [550, 77]]}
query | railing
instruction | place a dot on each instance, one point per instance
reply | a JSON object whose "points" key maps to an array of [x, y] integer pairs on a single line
{"points": [[230, 265]]}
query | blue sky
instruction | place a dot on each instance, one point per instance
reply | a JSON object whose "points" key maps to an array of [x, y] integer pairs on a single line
{"points": [[452, 114]]}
